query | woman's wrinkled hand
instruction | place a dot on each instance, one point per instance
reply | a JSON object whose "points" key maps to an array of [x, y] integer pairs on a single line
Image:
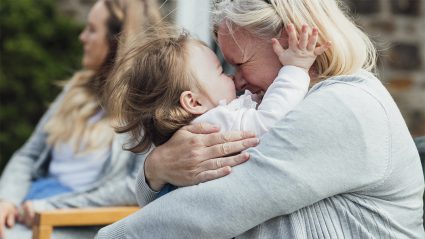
{"points": [[8, 215], [195, 154]]}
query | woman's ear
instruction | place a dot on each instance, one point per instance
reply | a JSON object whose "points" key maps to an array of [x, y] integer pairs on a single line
{"points": [[191, 103]]}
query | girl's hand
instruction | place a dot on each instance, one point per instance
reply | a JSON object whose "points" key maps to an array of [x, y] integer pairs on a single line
{"points": [[196, 154], [302, 51], [8, 214]]}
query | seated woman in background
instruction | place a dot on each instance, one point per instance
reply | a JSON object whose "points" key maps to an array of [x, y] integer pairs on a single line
{"points": [[74, 158]]}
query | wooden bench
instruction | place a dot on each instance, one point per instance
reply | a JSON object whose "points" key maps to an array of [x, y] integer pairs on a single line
{"points": [[46, 221]]}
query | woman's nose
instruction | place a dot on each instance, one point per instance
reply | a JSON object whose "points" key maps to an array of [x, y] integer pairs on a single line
{"points": [[240, 82], [82, 36]]}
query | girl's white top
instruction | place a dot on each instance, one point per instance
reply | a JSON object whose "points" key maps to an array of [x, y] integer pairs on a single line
{"points": [[287, 90]]}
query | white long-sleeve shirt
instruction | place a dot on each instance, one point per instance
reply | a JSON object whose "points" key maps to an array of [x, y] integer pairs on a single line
{"points": [[286, 91]]}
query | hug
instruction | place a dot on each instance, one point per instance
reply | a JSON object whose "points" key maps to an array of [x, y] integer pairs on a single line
{"points": [[302, 141]]}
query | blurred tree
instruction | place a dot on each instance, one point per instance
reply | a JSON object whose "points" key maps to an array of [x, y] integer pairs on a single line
{"points": [[38, 46]]}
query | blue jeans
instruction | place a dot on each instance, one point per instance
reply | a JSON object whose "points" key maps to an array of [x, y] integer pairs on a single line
{"points": [[166, 189], [46, 187]]}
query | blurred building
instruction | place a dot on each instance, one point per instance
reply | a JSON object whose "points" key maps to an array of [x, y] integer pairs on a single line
{"points": [[397, 27]]}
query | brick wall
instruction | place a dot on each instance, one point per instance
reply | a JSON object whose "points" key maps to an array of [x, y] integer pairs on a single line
{"points": [[398, 28]]}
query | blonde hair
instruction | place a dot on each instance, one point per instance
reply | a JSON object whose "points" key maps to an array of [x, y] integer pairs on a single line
{"points": [[144, 93], [351, 48], [82, 97]]}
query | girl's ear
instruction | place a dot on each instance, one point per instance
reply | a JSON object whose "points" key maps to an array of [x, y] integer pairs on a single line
{"points": [[191, 103]]}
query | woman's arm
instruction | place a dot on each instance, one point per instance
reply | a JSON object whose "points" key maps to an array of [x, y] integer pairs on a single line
{"points": [[20, 167], [195, 154], [307, 157]]}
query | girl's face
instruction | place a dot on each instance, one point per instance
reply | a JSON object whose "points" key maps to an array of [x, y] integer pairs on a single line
{"points": [[207, 69], [94, 38]]}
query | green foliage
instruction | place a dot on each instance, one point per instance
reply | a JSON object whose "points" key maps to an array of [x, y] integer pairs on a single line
{"points": [[38, 48]]}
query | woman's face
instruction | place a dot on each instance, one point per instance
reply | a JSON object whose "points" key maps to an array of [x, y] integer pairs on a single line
{"points": [[94, 38], [255, 62]]}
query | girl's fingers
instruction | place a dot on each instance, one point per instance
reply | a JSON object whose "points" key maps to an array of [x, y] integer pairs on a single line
{"points": [[321, 49], [303, 37], [292, 36], [277, 48], [313, 40]]}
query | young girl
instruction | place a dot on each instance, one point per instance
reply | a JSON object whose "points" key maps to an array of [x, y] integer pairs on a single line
{"points": [[170, 80]]}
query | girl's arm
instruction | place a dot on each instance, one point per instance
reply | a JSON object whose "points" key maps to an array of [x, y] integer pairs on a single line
{"points": [[287, 90]]}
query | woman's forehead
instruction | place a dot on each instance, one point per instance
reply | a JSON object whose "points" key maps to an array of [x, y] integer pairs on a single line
{"points": [[98, 13], [237, 44]]}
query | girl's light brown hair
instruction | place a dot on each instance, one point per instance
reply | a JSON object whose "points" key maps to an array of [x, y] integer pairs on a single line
{"points": [[144, 93]]}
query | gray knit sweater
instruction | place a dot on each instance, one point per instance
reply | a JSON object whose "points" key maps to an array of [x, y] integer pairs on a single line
{"points": [[115, 186], [340, 165]]}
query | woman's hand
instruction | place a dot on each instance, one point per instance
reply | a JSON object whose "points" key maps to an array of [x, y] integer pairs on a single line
{"points": [[196, 154], [8, 214], [27, 214]]}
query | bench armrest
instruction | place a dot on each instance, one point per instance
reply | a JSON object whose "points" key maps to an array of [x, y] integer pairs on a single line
{"points": [[45, 221]]}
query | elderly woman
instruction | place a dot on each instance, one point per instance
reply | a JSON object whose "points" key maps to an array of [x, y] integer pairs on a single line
{"points": [[342, 164], [74, 158]]}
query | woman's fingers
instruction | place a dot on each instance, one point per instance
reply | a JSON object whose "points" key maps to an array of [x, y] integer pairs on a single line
{"points": [[202, 128], [220, 138], [7, 216], [29, 213], [2, 224], [212, 174], [231, 161], [224, 149], [10, 220]]}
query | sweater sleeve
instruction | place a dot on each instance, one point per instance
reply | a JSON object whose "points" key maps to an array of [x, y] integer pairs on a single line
{"points": [[144, 193], [286, 92], [19, 169], [305, 158]]}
